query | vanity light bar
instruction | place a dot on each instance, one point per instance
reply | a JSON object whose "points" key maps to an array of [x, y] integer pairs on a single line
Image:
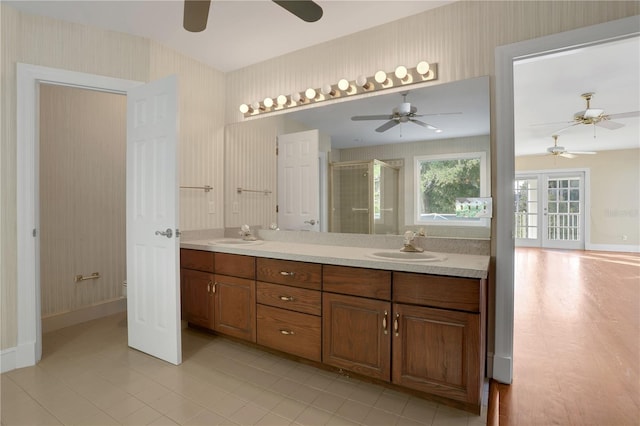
{"points": [[401, 76]]}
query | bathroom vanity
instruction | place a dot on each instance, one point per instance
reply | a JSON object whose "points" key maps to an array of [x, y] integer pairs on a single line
{"points": [[415, 325]]}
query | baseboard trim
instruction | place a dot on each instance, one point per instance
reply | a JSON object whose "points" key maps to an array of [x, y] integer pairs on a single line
{"points": [[7, 360], [502, 369], [66, 319], [625, 248]]}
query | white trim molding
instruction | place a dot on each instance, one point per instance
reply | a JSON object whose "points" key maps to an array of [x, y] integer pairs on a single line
{"points": [[29, 344], [505, 168]]}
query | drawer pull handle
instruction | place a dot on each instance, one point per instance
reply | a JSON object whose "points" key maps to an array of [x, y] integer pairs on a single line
{"points": [[286, 332], [287, 298], [287, 274], [396, 325], [384, 323]]}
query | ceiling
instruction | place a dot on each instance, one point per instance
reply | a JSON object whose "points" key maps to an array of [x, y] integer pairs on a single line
{"points": [[547, 93], [239, 32]]}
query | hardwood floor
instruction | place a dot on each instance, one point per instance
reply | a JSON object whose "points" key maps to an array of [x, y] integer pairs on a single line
{"points": [[576, 340]]}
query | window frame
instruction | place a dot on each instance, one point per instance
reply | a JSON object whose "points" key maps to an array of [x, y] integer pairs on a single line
{"points": [[484, 188]]}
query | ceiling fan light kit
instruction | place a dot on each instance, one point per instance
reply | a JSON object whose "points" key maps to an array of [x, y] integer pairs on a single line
{"points": [[401, 76]]}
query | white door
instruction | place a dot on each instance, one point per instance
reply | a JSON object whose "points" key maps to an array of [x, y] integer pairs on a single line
{"points": [[550, 210], [153, 283], [298, 181]]}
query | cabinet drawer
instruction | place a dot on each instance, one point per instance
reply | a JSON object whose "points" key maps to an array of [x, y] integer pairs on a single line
{"points": [[292, 298], [290, 272], [235, 265], [291, 332], [363, 282], [199, 260], [442, 292]]}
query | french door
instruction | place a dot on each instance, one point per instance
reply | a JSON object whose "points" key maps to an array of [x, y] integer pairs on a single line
{"points": [[550, 210]]}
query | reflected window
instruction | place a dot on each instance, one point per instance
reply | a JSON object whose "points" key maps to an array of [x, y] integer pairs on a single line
{"points": [[440, 179]]}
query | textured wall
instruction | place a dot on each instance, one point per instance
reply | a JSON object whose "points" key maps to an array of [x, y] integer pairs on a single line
{"points": [[615, 196], [82, 197]]}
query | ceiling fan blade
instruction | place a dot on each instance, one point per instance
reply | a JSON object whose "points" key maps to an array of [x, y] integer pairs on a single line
{"points": [[371, 117], [307, 10], [196, 13], [581, 152], [437, 113], [386, 126], [423, 124], [565, 128], [625, 114], [555, 123], [611, 125], [566, 155]]}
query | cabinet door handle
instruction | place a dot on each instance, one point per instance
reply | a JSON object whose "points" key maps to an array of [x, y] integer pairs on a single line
{"points": [[286, 332], [396, 324], [213, 288], [209, 287], [287, 274], [384, 323], [287, 298]]}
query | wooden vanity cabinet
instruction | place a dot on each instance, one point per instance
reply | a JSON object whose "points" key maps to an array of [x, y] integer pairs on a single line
{"points": [[355, 321], [439, 348], [196, 282], [289, 307], [234, 291]]}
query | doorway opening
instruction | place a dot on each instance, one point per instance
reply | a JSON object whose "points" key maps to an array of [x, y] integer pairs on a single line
{"points": [[82, 201]]}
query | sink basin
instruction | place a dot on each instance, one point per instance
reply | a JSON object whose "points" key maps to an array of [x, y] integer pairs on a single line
{"points": [[235, 242], [404, 256]]}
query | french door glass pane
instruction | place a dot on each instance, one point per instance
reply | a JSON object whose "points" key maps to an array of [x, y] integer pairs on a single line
{"points": [[526, 208], [563, 209]]}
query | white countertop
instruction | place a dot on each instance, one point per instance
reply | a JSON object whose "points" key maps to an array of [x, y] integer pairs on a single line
{"points": [[457, 265]]}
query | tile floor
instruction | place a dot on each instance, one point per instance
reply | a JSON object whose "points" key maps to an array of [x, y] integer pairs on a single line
{"points": [[88, 376]]}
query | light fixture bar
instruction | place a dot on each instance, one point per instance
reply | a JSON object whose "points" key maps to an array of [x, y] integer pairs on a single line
{"points": [[400, 76]]}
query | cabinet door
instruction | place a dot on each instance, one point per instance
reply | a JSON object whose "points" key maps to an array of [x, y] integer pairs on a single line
{"points": [[197, 297], [235, 307], [356, 334], [437, 351]]}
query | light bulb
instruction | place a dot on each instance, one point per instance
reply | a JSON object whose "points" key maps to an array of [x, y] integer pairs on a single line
{"points": [[268, 102], [281, 100], [361, 81], [255, 106], [244, 108], [422, 68], [343, 85], [327, 90], [381, 77], [310, 93], [295, 97], [401, 72]]}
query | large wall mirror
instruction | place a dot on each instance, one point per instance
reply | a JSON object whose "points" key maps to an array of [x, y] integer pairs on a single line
{"points": [[377, 174]]}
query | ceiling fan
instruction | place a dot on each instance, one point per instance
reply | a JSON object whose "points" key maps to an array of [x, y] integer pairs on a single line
{"points": [[403, 113], [560, 151], [596, 116], [196, 12]]}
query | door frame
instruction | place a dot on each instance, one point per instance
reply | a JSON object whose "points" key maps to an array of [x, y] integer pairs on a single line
{"points": [[29, 327], [586, 201], [501, 360]]}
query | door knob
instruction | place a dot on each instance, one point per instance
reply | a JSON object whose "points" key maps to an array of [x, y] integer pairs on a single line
{"points": [[312, 222], [168, 233]]}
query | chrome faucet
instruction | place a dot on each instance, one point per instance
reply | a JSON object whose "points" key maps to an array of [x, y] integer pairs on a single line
{"points": [[409, 236], [245, 233]]}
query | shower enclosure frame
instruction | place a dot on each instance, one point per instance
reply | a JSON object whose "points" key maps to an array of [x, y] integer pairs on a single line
{"points": [[370, 194]]}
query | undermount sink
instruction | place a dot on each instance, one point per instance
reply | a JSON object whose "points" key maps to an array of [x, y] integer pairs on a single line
{"points": [[407, 256], [235, 242]]}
